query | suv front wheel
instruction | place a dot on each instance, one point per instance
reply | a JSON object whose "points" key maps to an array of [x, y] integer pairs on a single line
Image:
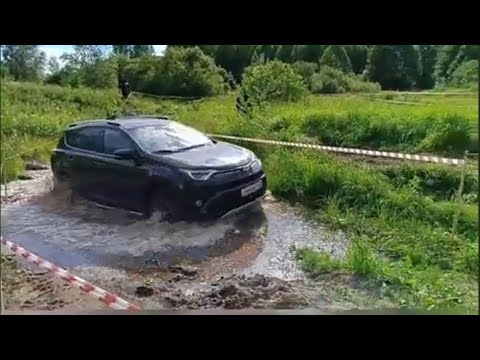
{"points": [[160, 207]]}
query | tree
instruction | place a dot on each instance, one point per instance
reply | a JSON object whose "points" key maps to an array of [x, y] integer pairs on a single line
{"points": [[141, 71], [101, 74], [141, 50], [24, 62], [85, 55], [358, 55], [188, 72], [409, 68], [445, 58], [384, 66], [125, 50], [308, 53], [89, 66], [268, 51], [426, 75], [233, 58], [53, 66], [336, 57], [285, 53], [313, 53]]}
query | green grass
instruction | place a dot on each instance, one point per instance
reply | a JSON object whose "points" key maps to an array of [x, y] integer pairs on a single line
{"points": [[401, 238], [399, 216], [347, 120]]}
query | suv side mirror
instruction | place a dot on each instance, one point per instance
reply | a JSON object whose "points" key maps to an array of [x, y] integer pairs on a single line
{"points": [[126, 154]]}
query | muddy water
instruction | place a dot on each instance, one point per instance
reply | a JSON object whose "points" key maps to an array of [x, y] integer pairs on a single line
{"points": [[115, 248]]}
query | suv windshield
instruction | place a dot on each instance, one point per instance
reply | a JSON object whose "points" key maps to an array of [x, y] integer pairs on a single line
{"points": [[172, 137]]}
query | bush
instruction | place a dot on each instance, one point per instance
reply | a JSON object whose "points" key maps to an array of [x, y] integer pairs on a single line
{"points": [[140, 73], [329, 81], [355, 83], [188, 72], [272, 81], [465, 75], [306, 70], [102, 75], [334, 81]]}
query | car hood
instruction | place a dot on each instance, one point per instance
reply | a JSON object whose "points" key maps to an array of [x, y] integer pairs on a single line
{"points": [[216, 156]]}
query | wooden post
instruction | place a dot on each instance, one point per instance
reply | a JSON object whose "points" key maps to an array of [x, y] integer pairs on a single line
{"points": [[460, 194], [3, 179], [2, 300]]}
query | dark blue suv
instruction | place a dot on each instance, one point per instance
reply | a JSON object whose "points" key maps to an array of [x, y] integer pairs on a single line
{"points": [[153, 164]]}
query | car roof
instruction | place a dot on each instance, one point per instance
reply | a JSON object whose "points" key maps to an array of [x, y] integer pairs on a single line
{"points": [[126, 122]]}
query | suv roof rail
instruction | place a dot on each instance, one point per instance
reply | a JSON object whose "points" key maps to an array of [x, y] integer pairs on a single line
{"points": [[125, 117]]}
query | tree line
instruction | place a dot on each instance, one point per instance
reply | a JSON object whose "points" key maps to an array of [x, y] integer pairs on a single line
{"points": [[203, 70]]}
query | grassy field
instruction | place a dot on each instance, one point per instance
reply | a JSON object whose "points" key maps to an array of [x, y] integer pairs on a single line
{"points": [[399, 215]]}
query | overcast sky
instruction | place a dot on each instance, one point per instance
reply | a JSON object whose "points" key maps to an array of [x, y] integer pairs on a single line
{"points": [[57, 50]]}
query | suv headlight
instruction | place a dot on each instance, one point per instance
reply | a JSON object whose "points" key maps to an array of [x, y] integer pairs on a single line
{"points": [[200, 174], [256, 165]]}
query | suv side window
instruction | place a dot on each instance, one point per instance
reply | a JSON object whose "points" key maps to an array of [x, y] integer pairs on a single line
{"points": [[90, 138], [114, 139]]}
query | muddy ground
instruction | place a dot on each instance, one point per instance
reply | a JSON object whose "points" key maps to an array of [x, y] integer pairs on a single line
{"points": [[242, 262]]}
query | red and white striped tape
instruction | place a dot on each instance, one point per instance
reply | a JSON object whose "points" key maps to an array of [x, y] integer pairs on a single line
{"points": [[376, 153], [109, 299]]}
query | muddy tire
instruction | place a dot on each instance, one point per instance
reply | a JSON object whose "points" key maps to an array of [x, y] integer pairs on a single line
{"points": [[61, 186], [160, 207]]}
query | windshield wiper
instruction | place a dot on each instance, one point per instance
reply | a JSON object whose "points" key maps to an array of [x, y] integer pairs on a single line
{"points": [[164, 152], [191, 147], [178, 150]]}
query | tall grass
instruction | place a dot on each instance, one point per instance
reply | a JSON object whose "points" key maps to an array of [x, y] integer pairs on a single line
{"points": [[399, 235], [33, 116], [347, 120]]}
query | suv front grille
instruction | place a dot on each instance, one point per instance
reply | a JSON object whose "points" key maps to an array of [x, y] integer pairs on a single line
{"points": [[243, 173]]}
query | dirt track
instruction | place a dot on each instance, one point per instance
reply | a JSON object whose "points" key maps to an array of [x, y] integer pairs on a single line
{"points": [[245, 262]]}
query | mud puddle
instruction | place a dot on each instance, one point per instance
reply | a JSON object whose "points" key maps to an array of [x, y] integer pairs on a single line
{"points": [[246, 261]]}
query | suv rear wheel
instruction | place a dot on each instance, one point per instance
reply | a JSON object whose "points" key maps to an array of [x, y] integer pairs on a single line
{"points": [[61, 185]]}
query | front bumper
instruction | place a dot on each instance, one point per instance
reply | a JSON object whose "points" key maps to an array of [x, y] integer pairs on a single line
{"points": [[227, 202], [242, 208]]}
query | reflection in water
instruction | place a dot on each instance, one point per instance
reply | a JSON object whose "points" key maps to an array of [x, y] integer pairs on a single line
{"points": [[84, 235]]}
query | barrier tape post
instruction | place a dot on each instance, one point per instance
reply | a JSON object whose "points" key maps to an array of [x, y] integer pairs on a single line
{"points": [[2, 299], [109, 299], [2, 302], [459, 195], [3, 179]]}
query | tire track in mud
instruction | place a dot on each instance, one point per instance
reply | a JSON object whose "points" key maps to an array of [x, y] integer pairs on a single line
{"points": [[244, 261]]}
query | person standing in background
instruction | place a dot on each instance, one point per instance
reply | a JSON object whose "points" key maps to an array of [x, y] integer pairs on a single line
{"points": [[124, 87]]}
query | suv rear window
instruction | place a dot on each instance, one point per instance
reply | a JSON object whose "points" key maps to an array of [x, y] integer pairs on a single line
{"points": [[87, 138]]}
